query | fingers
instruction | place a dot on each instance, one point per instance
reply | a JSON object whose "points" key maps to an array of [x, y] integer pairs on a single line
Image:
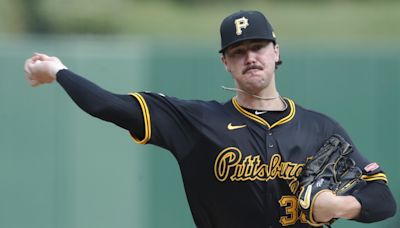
{"points": [[41, 69], [37, 57], [29, 68], [26, 66], [32, 82], [30, 65], [40, 55]]}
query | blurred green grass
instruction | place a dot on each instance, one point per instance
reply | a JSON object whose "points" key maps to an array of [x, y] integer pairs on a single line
{"points": [[347, 22]]}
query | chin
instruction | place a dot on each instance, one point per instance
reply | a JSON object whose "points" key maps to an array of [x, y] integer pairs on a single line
{"points": [[254, 88]]}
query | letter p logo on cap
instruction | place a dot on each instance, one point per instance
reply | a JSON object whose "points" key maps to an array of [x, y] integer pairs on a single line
{"points": [[241, 23]]}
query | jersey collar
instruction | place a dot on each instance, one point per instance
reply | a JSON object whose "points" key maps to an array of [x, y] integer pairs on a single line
{"points": [[261, 120]]}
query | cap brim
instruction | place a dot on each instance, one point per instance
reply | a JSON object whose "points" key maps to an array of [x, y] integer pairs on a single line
{"points": [[244, 39]]}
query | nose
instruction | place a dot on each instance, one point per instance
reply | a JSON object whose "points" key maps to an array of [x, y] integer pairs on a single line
{"points": [[250, 57]]}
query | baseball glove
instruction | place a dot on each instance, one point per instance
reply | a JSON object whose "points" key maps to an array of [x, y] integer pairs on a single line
{"points": [[331, 169]]}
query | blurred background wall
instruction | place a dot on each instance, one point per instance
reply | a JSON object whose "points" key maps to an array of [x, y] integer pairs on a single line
{"points": [[61, 168]]}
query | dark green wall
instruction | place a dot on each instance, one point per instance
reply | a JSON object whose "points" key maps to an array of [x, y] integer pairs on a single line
{"points": [[61, 168]]}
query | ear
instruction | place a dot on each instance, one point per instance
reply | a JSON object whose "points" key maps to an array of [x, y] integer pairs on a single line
{"points": [[277, 54], [223, 60]]}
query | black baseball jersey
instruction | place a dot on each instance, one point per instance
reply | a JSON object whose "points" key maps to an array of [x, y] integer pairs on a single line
{"points": [[238, 169]]}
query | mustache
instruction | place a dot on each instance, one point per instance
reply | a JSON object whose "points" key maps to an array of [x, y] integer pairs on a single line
{"points": [[251, 67]]}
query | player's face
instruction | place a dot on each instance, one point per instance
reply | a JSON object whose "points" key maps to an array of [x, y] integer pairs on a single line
{"points": [[252, 64]]}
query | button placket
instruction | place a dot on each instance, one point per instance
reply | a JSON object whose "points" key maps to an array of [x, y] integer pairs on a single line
{"points": [[269, 139], [270, 145]]}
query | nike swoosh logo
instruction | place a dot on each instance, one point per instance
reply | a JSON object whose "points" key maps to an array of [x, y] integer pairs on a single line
{"points": [[305, 203], [259, 113], [234, 127]]}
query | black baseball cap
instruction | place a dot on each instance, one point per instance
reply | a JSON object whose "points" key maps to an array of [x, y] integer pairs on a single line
{"points": [[245, 25]]}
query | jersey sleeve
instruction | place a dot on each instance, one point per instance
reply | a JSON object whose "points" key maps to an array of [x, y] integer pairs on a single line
{"points": [[377, 202], [100, 103], [169, 122]]}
